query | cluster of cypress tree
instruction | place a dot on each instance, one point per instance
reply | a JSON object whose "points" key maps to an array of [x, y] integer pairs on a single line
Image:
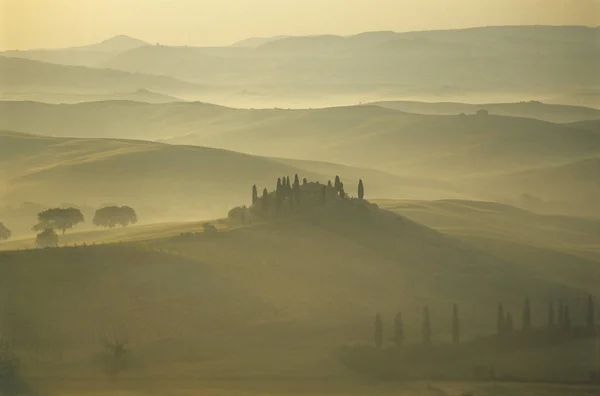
{"points": [[292, 192]]}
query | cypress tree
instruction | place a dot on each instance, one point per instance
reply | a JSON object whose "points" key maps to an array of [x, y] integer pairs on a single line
{"points": [[527, 317], [591, 314], [337, 183], [265, 200], [378, 331], [426, 327], [551, 321], [288, 185], [341, 190], [296, 189], [254, 194], [279, 193], [361, 189], [329, 184], [398, 330], [455, 325], [304, 181], [501, 324]]}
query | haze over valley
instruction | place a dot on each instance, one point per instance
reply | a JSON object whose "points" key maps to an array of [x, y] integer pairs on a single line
{"points": [[377, 212]]}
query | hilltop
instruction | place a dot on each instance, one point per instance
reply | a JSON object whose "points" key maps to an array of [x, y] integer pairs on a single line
{"points": [[532, 109], [163, 182], [363, 136]]}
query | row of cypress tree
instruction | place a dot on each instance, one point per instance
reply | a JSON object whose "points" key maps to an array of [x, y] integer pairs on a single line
{"points": [[426, 332], [505, 323]]}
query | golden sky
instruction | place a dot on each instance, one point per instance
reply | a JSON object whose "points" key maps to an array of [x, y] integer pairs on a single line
{"points": [[61, 23]]}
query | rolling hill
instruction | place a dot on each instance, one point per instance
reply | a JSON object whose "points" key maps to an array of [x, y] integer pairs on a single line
{"points": [[517, 59], [477, 221], [422, 146], [303, 285], [194, 181], [532, 109], [23, 76]]}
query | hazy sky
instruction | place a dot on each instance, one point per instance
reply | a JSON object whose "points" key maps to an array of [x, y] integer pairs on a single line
{"points": [[60, 23]]}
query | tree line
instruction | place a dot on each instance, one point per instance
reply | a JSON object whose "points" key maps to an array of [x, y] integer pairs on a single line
{"points": [[559, 326], [54, 220]]}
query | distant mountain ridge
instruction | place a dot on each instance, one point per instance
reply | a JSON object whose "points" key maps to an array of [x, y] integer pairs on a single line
{"points": [[118, 43]]}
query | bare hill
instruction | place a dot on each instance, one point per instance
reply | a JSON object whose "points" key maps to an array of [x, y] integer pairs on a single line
{"points": [[532, 109], [163, 182], [303, 286], [364, 136]]}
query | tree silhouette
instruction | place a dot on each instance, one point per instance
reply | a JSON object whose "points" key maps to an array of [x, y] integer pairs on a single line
{"points": [[591, 314], [551, 319], [398, 330], [296, 189], [455, 325], [361, 189], [304, 181], [329, 184], [112, 216], [426, 327], [265, 200], [341, 190], [378, 331], [501, 322], [527, 317], [324, 195], [254, 194], [4, 232], [46, 238], [337, 183], [58, 219]]}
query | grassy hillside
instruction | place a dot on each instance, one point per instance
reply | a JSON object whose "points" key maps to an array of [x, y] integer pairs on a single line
{"points": [[532, 109], [163, 182], [166, 180], [572, 187], [366, 136], [301, 286], [505, 224]]}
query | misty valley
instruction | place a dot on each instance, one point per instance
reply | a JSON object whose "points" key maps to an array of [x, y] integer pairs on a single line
{"points": [[383, 213]]}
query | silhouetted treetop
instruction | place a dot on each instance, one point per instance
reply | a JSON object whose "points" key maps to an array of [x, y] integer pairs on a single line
{"points": [[112, 216], [46, 238], [58, 219]]}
